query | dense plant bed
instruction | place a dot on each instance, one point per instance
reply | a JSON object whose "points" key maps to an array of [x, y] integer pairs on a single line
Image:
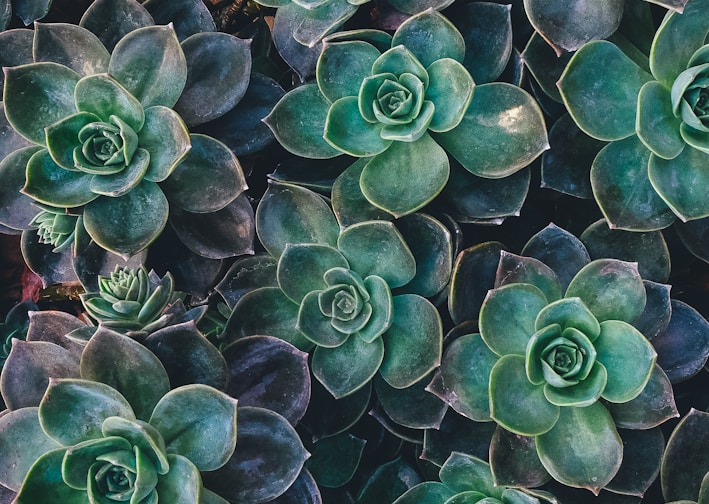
{"points": [[339, 251]]}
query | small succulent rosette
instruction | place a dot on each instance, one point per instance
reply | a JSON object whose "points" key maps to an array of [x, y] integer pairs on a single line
{"points": [[352, 296], [465, 478], [94, 134], [563, 366], [404, 103], [653, 111]]}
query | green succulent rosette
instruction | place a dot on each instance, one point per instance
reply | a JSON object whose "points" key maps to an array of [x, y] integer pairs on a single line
{"points": [[55, 227], [404, 103], [131, 299], [553, 364], [103, 140], [652, 110]]}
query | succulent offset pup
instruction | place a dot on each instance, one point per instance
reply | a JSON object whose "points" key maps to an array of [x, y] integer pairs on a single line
{"points": [[654, 113]]}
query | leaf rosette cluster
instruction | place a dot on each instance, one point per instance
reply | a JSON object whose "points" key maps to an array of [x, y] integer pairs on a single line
{"points": [[653, 111], [404, 103], [98, 137]]}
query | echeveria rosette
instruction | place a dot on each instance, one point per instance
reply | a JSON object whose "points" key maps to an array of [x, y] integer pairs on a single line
{"points": [[107, 140], [88, 446], [131, 300], [554, 361], [653, 113], [403, 102], [56, 227], [465, 478], [347, 311]]}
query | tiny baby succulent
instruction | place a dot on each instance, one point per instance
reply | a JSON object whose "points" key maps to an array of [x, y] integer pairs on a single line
{"points": [[104, 140], [55, 227], [468, 479], [404, 103], [652, 110]]}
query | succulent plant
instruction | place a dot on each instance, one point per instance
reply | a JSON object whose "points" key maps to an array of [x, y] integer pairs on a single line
{"points": [[106, 142], [685, 469], [403, 103], [27, 10], [652, 112], [131, 300], [465, 478], [55, 227], [334, 292]]}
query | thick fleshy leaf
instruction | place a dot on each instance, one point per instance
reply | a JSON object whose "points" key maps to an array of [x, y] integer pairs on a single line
{"points": [[683, 349], [519, 269], [218, 65], [119, 184], [569, 312], [487, 31], [502, 131], [51, 184], [141, 435], [658, 311], [246, 274], [450, 90], [430, 243], [23, 442], [347, 368], [544, 64], [166, 139], [189, 16], [45, 88], [507, 317], [15, 44], [568, 28], [657, 126], [208, 168], [648, 249], [16, 210], [653, 406], [422, 165], [430, 37], [455, 434], [292, 214], [150, 63], [79, 458], [377, 248], [302, 106], [428, 492], [679, 181], [52, 267], [303, 491], [256, 360], [343, 66], [413, 407], [127, 224], [228, 232], [128, 367], [389, 481], [62, 137], [465, 473], [181, 484], [642, 452], [611, 289], [70, 45], [199, 423], [335, 459], [584, 393], [71, 402], [111, 20], [463, 380], [679, 35], [302, 266], [684, 464], [327, 416], [399, 60], [599, 453], [515, 403], [318, 327], [103, 96], [267, 461], [473, 275], [560, 250], [413, 343], [314, 24], [514, 460], [44, 483], [619, 177], [241, 128], [266, 311], [607, 108], [28, 369], [187, 356], [302, 58], [350, 133]]}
